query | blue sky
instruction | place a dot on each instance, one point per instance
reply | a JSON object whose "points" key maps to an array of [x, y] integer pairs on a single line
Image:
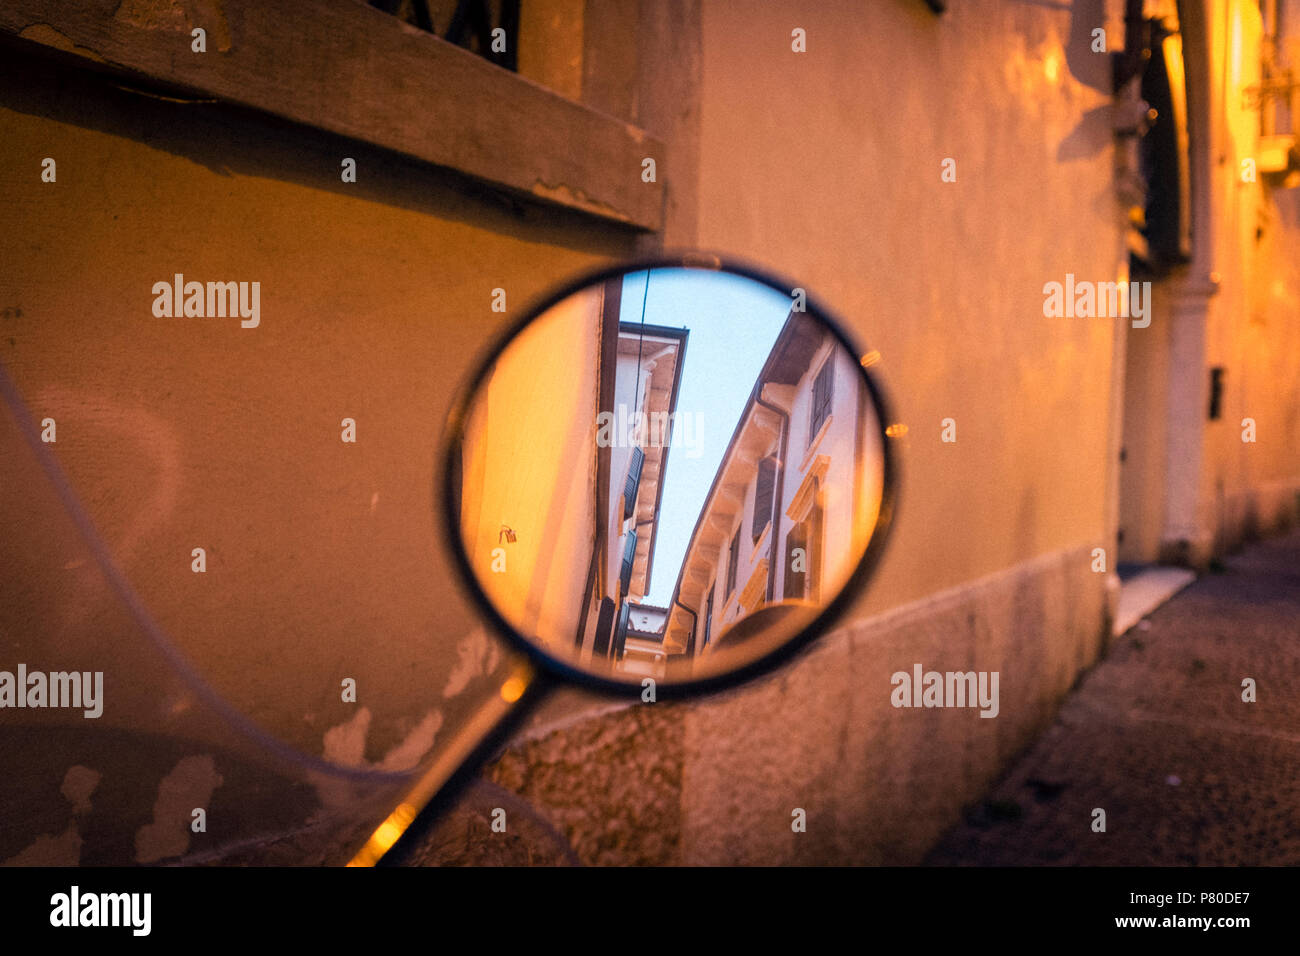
{"points": [[733, 322]]}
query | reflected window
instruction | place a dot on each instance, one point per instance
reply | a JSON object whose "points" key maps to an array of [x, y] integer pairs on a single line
{"points": [[708, 617], [733, 558], [823, 391], [629, 559], [620, 632], [633, 482], [604, 628], [764, 487], [803, 549]]}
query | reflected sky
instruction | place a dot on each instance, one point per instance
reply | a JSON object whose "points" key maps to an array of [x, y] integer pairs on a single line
{"points": [[733, 323]]}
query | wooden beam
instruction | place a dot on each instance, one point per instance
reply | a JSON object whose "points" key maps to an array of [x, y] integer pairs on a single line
{"points": [[352, 70]]}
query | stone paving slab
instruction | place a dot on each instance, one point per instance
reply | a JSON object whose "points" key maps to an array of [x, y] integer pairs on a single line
{"points": [[1158, 736]]}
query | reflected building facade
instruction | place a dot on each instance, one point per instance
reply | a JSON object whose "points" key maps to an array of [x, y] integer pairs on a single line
{"points": [[640, 387], [788, 511], [641, 640], [561, 464]]}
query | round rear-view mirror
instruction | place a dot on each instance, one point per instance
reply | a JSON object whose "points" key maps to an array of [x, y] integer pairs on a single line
{"points": [[676, 470]]}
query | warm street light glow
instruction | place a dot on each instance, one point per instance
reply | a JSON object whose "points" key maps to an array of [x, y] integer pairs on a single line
{"points": [[385, 836], [513, 689], [1052, 67]]}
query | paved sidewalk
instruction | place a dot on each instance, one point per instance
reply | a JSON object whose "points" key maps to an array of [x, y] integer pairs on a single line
{"points": [[1158, 736]]}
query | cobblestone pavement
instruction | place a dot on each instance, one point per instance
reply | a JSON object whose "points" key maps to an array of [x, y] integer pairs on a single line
{"points": [[1157, 735]]}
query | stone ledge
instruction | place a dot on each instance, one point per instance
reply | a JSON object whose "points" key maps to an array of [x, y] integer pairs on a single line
{"points": [[714, 781]]}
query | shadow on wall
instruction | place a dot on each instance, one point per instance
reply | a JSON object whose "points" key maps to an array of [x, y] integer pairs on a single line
{"points": [[1089, 68], [1095, 133]]}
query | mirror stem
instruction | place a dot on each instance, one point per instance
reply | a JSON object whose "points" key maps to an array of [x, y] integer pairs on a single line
{"points": [[393, 841]]}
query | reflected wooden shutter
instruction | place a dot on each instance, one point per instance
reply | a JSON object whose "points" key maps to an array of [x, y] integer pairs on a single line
{"points": [[604, 626], [629, 558], [796, 582], [733, 558], [620, 632], [633, 482], [708, 616], [823, 390], [764, 489]]}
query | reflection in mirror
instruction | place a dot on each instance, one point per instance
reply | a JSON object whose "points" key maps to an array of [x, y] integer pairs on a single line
{"points": [[669, 474]]}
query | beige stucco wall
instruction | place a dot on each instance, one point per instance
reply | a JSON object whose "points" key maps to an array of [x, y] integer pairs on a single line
{"points": [[530, 469], [823, 165], [817, 165], [323, 558], [1253, 326]]}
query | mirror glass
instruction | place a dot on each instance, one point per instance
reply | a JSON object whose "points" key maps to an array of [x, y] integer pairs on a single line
{"points": [[669, 473]]}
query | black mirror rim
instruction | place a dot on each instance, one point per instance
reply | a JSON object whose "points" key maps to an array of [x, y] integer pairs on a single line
{"points": [[446, 497]]}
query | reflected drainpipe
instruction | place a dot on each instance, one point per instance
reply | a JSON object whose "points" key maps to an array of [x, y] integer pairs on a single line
{"points": [[779, 495], [695, 620]]}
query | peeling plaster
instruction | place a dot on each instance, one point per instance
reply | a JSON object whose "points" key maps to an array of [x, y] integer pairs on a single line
{"points": [[345, 745], [407, 754], [45, 34], [78, 784], [65, 849], [566, 195], [189, 785], [152, 14], [61, 850], [476, 655], [177, 15]]}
